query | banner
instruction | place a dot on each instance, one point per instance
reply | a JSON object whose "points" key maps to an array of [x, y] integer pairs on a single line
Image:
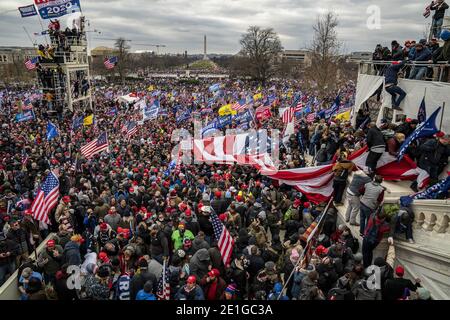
{"points": [[25, 116], [50, 9], [150, 113], [27, 11]]}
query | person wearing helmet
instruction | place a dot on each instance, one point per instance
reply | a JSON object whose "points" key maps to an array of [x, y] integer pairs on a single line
{"points": [[190, 291]]}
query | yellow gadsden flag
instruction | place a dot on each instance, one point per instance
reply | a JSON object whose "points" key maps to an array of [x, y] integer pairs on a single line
{"points": [[257, 96], [87, 121], [344, 116], [226, 110], [151, 88]]}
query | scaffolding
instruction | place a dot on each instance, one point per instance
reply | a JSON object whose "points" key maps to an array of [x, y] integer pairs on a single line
{"points": [[64, 76]]}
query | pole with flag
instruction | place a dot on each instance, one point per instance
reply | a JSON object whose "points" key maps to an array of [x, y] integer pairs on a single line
{"points": [[425, 129], [46, 198], [422, 113], [163, 292]]}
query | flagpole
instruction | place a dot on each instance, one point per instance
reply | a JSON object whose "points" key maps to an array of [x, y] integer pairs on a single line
{"points": [[306, 246], [442, 115]]}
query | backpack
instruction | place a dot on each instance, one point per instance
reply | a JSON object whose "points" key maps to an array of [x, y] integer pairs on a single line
{"points": [[372, 234]]}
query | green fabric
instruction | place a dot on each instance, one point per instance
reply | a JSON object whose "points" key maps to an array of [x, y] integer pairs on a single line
{"points": [[178, 239]]}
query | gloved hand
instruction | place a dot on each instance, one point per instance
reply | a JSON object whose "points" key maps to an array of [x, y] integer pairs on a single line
{"points": [[391, 241]]}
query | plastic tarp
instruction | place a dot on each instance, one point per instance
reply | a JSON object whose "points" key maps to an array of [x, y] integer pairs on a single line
{"points": [[436, 93], [365, 88]]}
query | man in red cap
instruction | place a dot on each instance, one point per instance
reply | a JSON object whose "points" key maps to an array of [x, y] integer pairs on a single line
{"points": [[394, 289], [190, 291], [189, 222], [64, 203], [50, 260], [218, 204], [213, 285]]}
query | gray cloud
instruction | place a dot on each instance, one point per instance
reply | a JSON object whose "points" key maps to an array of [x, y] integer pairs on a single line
{"points": [[181, 24]]}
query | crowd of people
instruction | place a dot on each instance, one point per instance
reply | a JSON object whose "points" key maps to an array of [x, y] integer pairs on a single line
{"points": [[129, 213]]}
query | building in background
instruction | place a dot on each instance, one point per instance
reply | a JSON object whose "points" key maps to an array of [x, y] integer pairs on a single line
{"points": [[302, 56], [12, 59]]}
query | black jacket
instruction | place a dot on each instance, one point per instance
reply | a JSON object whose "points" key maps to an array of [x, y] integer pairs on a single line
{"points": [[375, 138], [391, 73], [138, 281], [433, 152], [394, 289]]}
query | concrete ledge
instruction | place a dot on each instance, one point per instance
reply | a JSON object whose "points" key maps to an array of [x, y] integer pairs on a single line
{"points": [[9, 290]]}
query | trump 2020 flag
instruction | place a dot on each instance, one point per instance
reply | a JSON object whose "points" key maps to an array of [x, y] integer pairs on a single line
{"points": [[52, 131], [214, 87], [434, 192], [425, 129], [422, 114]]}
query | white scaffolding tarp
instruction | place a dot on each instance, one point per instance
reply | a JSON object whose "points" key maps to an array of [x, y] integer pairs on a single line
{"points": [[436, 94]]}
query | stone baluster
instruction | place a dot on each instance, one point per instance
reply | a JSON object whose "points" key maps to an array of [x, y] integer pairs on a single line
{"points": [[442, 223], [429, 221]]}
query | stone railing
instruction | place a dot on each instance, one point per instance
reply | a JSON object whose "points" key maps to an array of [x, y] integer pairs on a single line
{"points": [[432, 216]]}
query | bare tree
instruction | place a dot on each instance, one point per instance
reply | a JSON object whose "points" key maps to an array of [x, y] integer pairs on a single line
{"points": [[325, 51], [262, 47], [122, 56]]}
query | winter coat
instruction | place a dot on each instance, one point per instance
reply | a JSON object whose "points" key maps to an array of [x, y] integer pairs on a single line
{"points": [[199, 243], [199, 263], [432, 152], [20, 238], [142, 295], [95, 290], [72, 254], [394, 289], [138, 281], [220, 287], [361, 292], [195, 294], [178, 238], [307, 287], [391, 73], [54, 263]]}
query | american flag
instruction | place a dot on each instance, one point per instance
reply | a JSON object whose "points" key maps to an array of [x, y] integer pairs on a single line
{"points": [[288, 115], [224, 239], [131, 128], [110, 63], [95, 146], [24, 159], [240, 105], [46, 198], [163, 292], [310, 117], [76, 166], [30, 64]]}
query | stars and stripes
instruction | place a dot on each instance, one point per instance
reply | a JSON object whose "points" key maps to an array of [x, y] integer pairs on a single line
{"points": [[110, 63], [46, 198], [288, 115], [131, 129], [95, 146], [240, 105], [163, 292], [224, 239], [30, 64]]}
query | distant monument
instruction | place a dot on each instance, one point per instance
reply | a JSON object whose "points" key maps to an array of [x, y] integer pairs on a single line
{"points": [[205, 56]]}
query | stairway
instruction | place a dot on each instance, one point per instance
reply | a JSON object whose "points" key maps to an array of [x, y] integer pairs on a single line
{"points": [[429, 257]]}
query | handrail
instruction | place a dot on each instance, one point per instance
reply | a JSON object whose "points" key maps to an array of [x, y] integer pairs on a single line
{"points": [[423, 63]]}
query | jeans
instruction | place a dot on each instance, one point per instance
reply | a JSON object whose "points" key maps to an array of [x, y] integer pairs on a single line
{"points": [[417, 73], [436, 26], [394, 91], [399, 228], [6, 269], [364, 214], [353, 208], [367, 252]]}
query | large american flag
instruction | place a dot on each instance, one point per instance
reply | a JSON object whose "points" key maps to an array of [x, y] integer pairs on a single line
{"points": [[46, 198], [131, 128], [110, 62], [95, 146], [30, 64], [224, 239], [163, 292]]}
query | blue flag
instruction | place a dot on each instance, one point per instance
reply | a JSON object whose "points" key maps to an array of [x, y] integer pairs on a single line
{"points": [[334, 108], [25, 116], [433, 192], [425, 129], [77, 122], [214, 87], [184, 116], [422, 114], [52, 131]]}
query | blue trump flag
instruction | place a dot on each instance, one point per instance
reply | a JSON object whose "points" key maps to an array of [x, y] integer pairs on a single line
{"points": [[334, 108], [425, 129], [434, 192], [422, 114], [52, 131], [25, 116]]}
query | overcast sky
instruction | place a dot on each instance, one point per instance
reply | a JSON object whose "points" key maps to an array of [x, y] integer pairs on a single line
{"points": [[181, 24]]}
